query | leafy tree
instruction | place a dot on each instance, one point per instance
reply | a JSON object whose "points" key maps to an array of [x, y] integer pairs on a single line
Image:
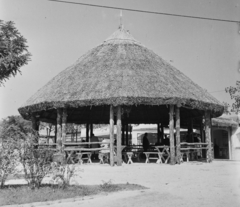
{"points": [[234, 92], [15, 128], [13, 51]]}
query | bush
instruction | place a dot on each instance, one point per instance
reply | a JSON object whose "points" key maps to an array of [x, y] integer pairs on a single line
{"points": [[8, 160], [62, 174], [36, 163]]}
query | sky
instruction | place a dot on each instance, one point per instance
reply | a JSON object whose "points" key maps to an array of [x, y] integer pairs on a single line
{"points": [[58, 34]]}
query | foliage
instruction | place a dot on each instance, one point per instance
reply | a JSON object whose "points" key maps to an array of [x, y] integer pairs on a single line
{"points": [[8, 160], [226, 108], [13, 51], [234, 92], [36, 163], [62, 174], [15, 128]]}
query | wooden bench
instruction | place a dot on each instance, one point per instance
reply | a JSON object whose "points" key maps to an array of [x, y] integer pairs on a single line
{"points": [[82, 150], [191, 150]]}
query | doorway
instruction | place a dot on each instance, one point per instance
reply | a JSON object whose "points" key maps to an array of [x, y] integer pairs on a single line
{"points": [[221, 148]]}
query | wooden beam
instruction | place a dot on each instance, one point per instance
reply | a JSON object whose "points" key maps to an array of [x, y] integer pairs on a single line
{"points": [[59, 129], [123, 133], [127, 134], [208, 135], [119, 145], [171, 131], [55, 133], [190, 131], [111, 130], [64, 125], [91, 129], [158, 133], [162, 130], [87, 132], [34, 127], [178, 135]]}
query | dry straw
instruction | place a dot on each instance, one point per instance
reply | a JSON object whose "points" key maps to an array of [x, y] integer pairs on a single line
{"points": [[120, 71]]}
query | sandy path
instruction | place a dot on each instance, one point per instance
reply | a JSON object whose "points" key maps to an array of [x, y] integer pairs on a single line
{"points": [[188, 184]]}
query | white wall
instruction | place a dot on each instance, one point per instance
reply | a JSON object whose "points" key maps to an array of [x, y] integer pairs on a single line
{"points": [[235, 140]]}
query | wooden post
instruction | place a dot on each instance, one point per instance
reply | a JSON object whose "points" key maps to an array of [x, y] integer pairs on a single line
{"points": [[162, 130], [111, 130], [171, 130], [91, 129], [35, 128], [59, 129], [208, 135], [178, 134], [64, 125], [190, 131], [123, 133], [119, 145], [55, 132], [158, 133], [87, 132], [127, 134]]}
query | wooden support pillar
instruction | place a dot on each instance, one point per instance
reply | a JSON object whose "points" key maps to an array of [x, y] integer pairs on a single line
{"points": [[64, 125], [127, 134], [190, 131], [158, 133], [55, 134], [91, 129], [111, 130], [119, 145], [162, 130], [208, 135], [59, 129], [178, 135], [171, 131], [87, 132], [35, 128], [123, 133]]}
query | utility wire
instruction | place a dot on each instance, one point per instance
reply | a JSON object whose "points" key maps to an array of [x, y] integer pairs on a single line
{"points": [[144, 11], [216, 91]]}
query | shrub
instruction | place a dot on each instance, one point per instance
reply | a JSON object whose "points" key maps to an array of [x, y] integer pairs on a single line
{"points": [[36, 163], [8, 160], [62, 174]]}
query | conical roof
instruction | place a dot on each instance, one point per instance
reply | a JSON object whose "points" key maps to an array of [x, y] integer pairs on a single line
{"points": [[120, 71]]}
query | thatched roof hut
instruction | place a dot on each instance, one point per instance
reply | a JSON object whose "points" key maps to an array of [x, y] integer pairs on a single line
{"points": [[120, 71], [123, 73]]}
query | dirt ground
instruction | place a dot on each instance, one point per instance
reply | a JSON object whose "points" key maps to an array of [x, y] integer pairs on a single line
{"points": [[189, 184]]}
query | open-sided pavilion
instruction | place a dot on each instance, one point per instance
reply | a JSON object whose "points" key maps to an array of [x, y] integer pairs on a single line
{"points": [[123, 82]]}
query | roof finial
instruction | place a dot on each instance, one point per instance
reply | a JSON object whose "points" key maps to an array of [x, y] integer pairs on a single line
{"points": [[121, 22]]}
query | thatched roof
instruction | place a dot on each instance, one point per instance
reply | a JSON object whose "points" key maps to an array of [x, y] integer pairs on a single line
{"points": [[120, 71], [224, 122]]}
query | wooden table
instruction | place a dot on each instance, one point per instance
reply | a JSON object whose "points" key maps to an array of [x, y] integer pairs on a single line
{"points": [[69, 152], [163, 151]]}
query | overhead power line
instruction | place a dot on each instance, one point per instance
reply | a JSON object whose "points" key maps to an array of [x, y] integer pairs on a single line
{"points": [[217, 91], [144, 11]]}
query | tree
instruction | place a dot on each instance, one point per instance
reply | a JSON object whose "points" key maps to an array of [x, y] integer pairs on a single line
{"points": [[13, 51], [234, 92], [15, 128]]}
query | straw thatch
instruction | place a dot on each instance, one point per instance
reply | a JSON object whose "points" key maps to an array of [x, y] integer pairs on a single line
{"points": [[120, 71], [224, 122]]}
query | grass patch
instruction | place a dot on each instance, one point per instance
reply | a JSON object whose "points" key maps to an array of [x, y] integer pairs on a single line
{"points": [[20, 194]]}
